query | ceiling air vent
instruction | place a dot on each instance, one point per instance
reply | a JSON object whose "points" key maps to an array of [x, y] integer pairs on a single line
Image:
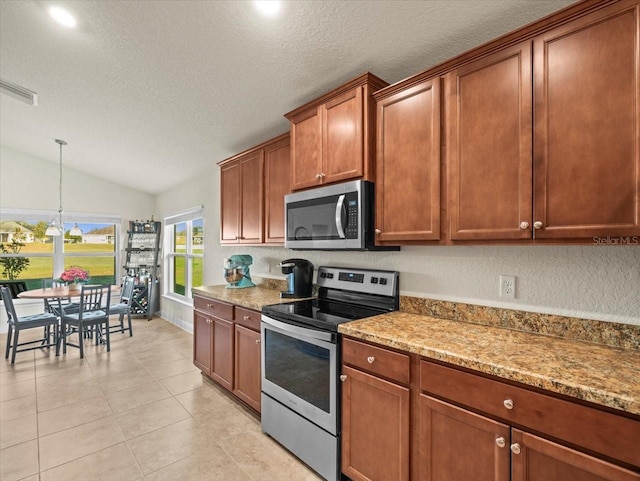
{"points": [[19, 93]]}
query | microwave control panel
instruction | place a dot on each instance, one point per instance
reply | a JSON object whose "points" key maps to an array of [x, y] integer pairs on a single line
{"points": [[351, 228]]}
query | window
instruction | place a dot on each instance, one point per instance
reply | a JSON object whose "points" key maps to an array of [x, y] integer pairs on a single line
{"points": [[184, 252], [27, 254]]}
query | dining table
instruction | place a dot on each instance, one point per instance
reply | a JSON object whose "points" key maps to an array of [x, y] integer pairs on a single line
{"points": [[57, 292], [60, 292]]}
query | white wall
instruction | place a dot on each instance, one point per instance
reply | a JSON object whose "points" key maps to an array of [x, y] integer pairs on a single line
{"points": [[591, 282], [30, 183]]}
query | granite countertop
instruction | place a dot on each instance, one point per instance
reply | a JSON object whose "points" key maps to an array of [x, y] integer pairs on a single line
{"points": [[250, 297], [604, 375], [600, 374]]}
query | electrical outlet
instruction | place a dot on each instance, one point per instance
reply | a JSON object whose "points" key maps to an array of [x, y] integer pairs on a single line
{"points": [[508, 287], [267, 266]]}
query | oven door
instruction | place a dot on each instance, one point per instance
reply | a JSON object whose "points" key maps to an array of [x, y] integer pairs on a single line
{"points": [[299, 370]]}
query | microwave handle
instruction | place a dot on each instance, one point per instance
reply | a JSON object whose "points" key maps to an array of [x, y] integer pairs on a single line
{"points": [[339, 224]]}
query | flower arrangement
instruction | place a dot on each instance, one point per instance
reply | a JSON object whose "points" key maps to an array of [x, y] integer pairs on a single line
{"points": [[74, 275]]}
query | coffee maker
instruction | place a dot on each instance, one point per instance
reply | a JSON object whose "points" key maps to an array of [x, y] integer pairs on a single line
{"points": [[299, 278]]}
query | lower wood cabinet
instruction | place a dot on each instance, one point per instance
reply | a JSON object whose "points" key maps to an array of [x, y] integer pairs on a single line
{"points": [[375, 416], [409, 418], [222, 354], [456, 444], [226, 347], [202, 345], [247, 366]]}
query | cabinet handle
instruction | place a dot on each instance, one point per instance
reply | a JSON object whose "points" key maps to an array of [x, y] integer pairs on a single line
{"points": [[524, 225], [209, 306], [515, 448], [537, 225], [508, 403], [378, 231], [257, 341], [343, 377], [370, 359], [246, 318], [318, 176], [322, 175], [501, 442], [208, 321]]}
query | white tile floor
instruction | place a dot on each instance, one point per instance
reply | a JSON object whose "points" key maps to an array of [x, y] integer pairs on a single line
{"points": [[140, 412]]}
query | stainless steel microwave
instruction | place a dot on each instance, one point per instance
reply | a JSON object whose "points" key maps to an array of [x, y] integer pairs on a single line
{"points": [[335, 217]]}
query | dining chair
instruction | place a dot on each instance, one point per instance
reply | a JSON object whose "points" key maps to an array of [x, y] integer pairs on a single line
{"points": [[124, 306], [93, 312], [51, 305], [16, 324]]}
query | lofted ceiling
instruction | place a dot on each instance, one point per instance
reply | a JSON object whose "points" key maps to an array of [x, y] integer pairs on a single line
{"points": [[150, 94]]}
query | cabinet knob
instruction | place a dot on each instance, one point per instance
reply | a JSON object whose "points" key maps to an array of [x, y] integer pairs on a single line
{"points": [[370, 359], [500, 442], [515, 448], [210, 305], [537, 225], [508, 403], [343, 377], [318, 176], [524, 225], [322, 175], [257, 341], [246, 318], [378, 231], [208, 321]]}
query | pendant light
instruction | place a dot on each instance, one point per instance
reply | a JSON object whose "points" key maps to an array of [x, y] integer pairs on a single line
{"points": [[56, 226]]}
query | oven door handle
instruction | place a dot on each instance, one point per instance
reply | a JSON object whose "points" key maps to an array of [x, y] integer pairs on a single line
{"points": [[339, 223], [300, 331]]}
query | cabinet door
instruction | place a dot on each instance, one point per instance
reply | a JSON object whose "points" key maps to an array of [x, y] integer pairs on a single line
{"points": [[306, 149], [230, 196], [247, 366], [251, 194], [202, 342], [408, 165], [456, 444], [536, 459], [375, 428], [222, 359], [342, 137], [489, 155], [276, 186], [587, 126]]}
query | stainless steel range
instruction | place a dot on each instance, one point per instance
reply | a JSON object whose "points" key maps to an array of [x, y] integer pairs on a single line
{"points": [[301, 361]]}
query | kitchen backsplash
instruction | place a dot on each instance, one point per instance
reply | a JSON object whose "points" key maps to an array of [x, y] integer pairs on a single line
{"points": [[626, 336]]}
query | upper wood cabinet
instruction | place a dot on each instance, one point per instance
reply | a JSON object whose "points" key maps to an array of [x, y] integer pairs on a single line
{"points": [[252, 189], [241, 191], [332, 137], [575, 173], [277, 166], [489, 155], [587, 126], [408, 164]]}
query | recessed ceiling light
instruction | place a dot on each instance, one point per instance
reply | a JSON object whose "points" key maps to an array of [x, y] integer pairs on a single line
{"points": [[268, 8], [62, 16]]}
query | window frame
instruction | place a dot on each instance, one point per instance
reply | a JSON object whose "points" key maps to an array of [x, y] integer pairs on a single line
{"points": [[185, 217], [59, 255]]}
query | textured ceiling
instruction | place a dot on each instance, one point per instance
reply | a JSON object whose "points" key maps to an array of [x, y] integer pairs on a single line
{"points": [[149, 93]]}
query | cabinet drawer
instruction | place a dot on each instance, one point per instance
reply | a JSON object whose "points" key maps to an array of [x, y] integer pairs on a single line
{"points": [[377, 360], [248, 318], [213, 307], [600, 431]]}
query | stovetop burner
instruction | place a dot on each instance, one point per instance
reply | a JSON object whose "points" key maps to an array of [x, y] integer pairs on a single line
{"points": [[344, 295]]}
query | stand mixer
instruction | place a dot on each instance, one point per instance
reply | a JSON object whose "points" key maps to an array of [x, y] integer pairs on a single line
{"points": [[236, 271]]}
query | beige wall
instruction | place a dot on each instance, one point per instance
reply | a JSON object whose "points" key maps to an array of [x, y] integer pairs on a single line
{"points": [[593, 282], [30, 183]]}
